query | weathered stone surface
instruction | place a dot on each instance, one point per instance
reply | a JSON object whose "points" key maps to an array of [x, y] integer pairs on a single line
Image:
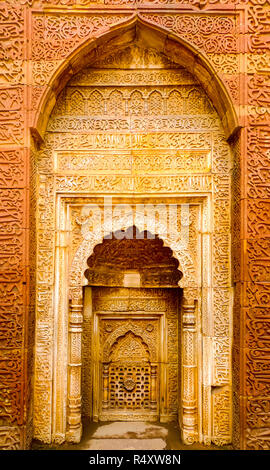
{"points": [[135, 139]]}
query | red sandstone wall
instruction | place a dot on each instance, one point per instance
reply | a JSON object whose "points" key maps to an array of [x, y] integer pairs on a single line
{"points": [[33, 43]]}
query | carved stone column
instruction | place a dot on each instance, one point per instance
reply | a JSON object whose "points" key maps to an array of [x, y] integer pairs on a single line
{"points": [[105, 379], [153, 386], [74, 431], [189, 375]]}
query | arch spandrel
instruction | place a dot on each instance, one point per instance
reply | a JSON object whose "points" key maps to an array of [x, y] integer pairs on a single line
{"points": [[136, 28]]}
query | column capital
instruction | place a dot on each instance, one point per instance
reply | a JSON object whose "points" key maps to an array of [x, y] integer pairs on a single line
{"points": [[188, 315]]}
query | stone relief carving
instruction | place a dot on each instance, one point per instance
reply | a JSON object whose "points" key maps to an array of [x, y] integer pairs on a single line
{"points": [[131, 352], [253, 16], [185, 155]]}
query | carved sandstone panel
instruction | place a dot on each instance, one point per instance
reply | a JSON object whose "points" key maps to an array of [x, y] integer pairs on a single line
{"points": [[54, 37], [110, 135], [133, 162], [132, 354]]}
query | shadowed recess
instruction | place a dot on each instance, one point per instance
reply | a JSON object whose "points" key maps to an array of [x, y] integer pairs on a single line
{"points": [[134, 253]]}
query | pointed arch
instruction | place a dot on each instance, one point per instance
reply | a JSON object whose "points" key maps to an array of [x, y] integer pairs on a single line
{"points": [[76, 103], [179, 252], [95, 103], [175, 103], [121, 331], [136, 103], [115, 103], [149, 34], [155, 103]]}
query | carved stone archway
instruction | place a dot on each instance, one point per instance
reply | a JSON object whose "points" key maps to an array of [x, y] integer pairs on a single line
{"points": [[164, 40], [91, 239], [196, 421], [189, 420]]}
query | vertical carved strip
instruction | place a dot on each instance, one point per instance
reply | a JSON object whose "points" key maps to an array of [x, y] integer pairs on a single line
{"points": [[74, 384], [189, 375], [153, 386], [87, 355], [105, 377]]}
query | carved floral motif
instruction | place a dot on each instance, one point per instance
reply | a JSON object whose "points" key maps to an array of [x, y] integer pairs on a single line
{"points": [[212, 34], [214, 26], [54, 37], [173, 162]]}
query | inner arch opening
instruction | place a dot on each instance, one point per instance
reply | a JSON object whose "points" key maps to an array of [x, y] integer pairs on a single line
{"points": [[132, 258], [135, 347]]}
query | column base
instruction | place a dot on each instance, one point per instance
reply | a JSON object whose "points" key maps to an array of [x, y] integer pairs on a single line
{"points": [[189, 437], [74, 435]]}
